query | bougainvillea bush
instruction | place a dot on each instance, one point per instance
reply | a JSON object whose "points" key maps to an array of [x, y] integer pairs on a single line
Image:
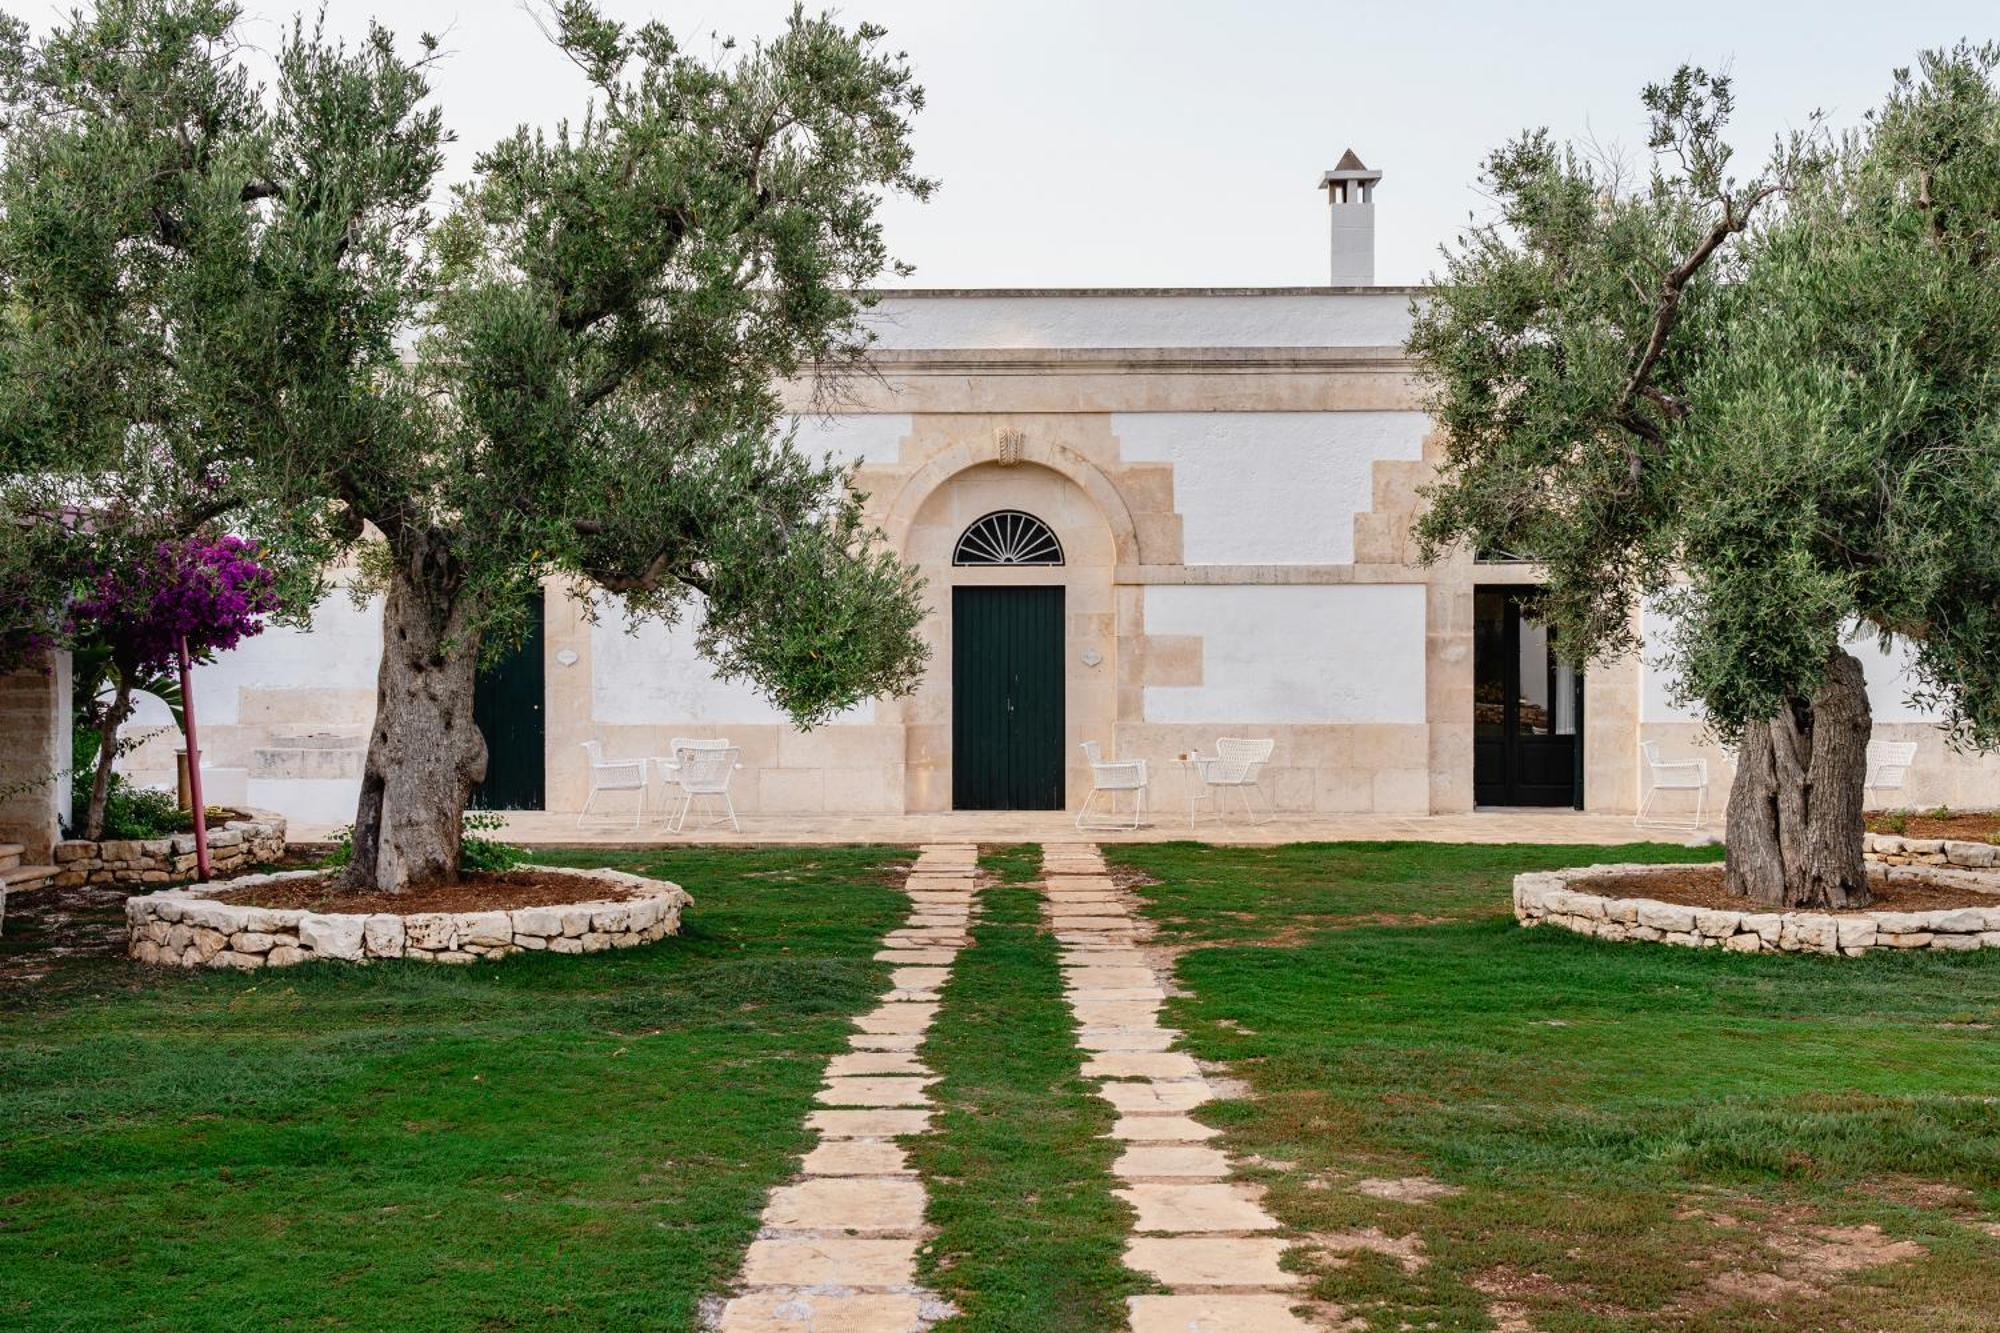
{"points": [[138, 606]]}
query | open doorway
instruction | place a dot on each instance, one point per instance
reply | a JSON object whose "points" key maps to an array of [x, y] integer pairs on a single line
{"points": [[1527, 709]]}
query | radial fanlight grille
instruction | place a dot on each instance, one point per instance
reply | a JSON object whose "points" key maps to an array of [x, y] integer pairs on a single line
{"points": [[1008, 537]]}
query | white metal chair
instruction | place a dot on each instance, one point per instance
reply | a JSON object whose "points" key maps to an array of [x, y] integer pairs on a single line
{"points": [[670, 764], [703, 774], [1111, 777], [613, 775], [1889, 764], [1672, 775], [1236, 766]]}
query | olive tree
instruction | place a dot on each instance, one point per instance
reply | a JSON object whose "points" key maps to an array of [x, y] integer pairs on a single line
{"points": [[593, 395], [1768, 405]]}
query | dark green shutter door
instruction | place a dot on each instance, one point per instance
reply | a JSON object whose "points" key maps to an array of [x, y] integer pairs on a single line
{"points": [[1007, 698], [508, 704]]}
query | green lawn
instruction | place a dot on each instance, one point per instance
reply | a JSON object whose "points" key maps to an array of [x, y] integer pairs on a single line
{"points": [[1643, 1137], [543, 1142], [1029, 1236]]}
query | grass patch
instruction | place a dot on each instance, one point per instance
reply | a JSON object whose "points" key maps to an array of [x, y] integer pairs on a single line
{"points": [[1643, 1136], [541, 1142], [1029, 1235]]}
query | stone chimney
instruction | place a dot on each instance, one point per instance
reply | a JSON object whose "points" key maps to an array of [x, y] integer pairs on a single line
{"points": [[1350, 194]]}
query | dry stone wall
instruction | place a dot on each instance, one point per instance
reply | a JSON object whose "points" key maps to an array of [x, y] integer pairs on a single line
{"points": [[189, 928], [1547, 898], [1894, 851], [232, 846]]}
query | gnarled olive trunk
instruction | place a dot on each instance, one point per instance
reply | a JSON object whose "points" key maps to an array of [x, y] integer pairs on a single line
{"points": [[1795, 807], [425, 752]]}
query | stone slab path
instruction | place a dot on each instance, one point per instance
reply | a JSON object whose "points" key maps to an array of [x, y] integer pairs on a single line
{"points": [[837, 1252], [1201, 1233]]}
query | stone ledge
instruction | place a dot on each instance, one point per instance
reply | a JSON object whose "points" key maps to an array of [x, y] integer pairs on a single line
{"points": [[188, 928], [1888, 849], [231, 845], [1546, 898]]}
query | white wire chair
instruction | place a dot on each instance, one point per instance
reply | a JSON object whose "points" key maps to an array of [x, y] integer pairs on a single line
{"points": [[1889, 764], [1236, 765], [613, 775], [1109, 777], [703, 775], [1672, 775], [669, 765]]}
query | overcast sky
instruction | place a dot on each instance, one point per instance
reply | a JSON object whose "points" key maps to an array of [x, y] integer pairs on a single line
{"points": [[1173, 143]]}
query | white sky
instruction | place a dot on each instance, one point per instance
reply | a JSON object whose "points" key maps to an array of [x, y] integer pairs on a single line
{"points": [[1173, 143]]}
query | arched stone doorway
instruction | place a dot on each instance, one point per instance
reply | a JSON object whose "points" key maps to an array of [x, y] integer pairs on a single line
{"points": [[1087, 664]]}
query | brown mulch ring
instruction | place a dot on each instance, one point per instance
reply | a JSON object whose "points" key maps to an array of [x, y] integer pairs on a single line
{"points": [[1958, 825], [480, 891], [1701, 886]]}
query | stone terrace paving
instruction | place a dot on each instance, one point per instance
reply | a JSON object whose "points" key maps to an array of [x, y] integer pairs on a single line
{"points": [[838, 1246]]}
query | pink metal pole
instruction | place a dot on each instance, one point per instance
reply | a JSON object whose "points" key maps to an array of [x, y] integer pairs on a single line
{"points": [[194, 768]]}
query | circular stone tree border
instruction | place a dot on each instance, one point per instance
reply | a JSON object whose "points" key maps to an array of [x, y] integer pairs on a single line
{"points": [[1546, 898], [187, 927]]}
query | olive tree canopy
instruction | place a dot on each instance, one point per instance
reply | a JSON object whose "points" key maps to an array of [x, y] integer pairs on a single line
{"points": [[1770, 405]]}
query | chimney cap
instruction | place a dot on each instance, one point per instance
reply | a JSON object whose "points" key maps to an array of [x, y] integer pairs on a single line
{"points": [[1349, 168]]}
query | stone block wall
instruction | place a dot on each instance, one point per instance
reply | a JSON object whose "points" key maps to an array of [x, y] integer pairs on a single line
{"points": [[231, 847], [34, 756]]}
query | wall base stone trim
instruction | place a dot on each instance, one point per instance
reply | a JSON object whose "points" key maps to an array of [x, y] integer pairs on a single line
{"points": [[1546, 898], [187, 927]]}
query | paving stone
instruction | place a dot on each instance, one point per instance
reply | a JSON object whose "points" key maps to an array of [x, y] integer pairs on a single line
{"points": [[885, 1041], [1116, 956], [1215, 1312], [847, 1203], [919, 978], [1116, 995], [1140, 1064], [855, 1157], [1149, 1095], [1076, 939], [1160, 1129], [1210, 1261], [1083, 922], [831, 1261], [927, 939], [1128, 1038], [870, 1124], [898, 1018], [913, 996], [874, 1092], [1101, 978], [933, 898], [1210, 1206], [940, 920], [917, 957], [822, 1312], [1113, 1013], [859, 1063], [1141, 1161]]}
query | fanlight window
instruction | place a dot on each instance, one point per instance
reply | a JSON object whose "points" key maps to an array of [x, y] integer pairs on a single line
{"points": [[1008, 537]]}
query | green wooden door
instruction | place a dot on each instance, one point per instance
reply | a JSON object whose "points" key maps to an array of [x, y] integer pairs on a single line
{"points": [[1007, 698], [509, 704]]}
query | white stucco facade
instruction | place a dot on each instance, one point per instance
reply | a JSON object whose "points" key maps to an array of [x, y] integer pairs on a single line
{"points": [[1231, 475]]}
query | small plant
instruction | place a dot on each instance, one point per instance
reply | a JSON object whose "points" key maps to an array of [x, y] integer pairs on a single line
{"points": [[1942, 812], [480, 852], [1894, 822], [477, 852]]}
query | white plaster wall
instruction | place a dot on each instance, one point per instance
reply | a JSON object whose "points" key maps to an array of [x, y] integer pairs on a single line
{"points": [[1083, 320], [1297, 653], [649, 674], [342, 650], [1278, 488], [1890, 678], [855, 438]]}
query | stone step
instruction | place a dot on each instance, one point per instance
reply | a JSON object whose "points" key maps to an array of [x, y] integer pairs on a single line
{"points": [[10, 855], [20, 879]]}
